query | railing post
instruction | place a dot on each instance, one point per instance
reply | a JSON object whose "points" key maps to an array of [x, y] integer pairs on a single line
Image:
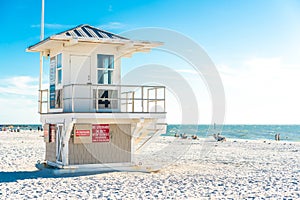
{"points": [[155, 99], [47, 101], [147, 100], [72, 98], [164, 99], [132, 103], [97, 96], [62, 99], [126, 102], [40, 101], [142, 97]]}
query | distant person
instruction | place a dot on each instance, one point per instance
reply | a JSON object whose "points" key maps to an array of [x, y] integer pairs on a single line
{"points": [[176, 135], [277, 136], [194, 137], [184, 136], [38, 128], [219, 138]]}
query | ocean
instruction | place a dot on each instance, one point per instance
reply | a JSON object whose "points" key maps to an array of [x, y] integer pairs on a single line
{"points": [[249, 132], [21, 126]]}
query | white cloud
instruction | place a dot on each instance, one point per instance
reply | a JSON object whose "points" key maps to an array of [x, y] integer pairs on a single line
{"points": [[18, 100], [113, 26], [54, 26], [18, 110], [262, 90], [19, 85]]}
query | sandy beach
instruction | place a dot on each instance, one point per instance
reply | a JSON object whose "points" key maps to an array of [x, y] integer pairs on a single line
{"points": [[204, 169]]}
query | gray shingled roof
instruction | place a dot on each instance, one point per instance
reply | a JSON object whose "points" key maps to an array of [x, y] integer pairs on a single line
{"points": [[87, 31]]}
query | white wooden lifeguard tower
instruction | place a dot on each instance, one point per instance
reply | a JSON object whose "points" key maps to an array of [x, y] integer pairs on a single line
{"points": [[89, 117]]}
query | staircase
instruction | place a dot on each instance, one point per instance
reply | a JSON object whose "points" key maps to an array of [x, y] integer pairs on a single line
{"points": [[146, 131]]}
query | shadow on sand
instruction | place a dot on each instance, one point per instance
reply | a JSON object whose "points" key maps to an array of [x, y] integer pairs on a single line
{"points": [[44, 173]]}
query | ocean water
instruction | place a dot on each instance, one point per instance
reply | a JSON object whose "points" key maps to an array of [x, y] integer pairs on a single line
{"points": [[249, 132], [21, 126]]}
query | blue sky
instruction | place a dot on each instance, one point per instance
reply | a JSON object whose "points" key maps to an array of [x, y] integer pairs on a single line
{"points": [[254, 44]]}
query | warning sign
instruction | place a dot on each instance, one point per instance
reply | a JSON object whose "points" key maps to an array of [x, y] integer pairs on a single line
{"points": [[100, 133], [52, 133], [82, 133], [46, 133]]}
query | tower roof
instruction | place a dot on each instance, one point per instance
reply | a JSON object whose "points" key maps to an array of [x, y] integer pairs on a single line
{"points": [[87, 34], [90, 32]]}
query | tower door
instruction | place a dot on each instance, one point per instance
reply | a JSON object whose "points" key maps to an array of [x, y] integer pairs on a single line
{"points": [[79, 89], [80, 69]]}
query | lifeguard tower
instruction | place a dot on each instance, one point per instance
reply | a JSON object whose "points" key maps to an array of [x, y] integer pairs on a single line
{"points": [[89, 117]]}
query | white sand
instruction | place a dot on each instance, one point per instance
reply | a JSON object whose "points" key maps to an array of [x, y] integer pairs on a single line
{"points": [[207, 170]]}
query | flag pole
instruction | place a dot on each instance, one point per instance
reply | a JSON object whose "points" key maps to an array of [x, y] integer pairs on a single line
{"points": [[42, 19], [41, 58]]}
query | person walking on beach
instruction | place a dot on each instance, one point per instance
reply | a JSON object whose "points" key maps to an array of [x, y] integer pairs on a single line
{"points": [[277, 136]]}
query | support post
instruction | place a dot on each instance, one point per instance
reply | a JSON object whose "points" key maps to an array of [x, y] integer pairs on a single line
{"points": [[40, 83], [42, 20], [41, 53], [68, 127]]}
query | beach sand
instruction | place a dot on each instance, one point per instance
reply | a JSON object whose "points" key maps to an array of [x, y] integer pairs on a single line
{"points": [[192, 169]]}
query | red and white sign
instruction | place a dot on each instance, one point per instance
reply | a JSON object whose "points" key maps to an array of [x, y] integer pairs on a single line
{"points": [[82, 133], [52, 133], [46, 133], [100, 133]]}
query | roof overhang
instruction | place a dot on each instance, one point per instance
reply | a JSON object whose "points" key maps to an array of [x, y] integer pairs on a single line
{"points": [[63, 41], [86, 35]]}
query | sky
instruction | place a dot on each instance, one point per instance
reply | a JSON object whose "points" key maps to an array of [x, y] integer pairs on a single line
{"points": [[254, 45]]}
